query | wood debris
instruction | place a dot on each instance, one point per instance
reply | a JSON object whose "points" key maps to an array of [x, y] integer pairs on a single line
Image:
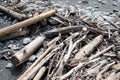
{"points": [[70, 46]]}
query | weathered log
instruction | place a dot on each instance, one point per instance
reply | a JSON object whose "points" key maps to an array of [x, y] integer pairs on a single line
{"points": [[63, 30], [13, 35], [25, 23], [101, 52], [40, 73], [36, 62], [87, 49], [42, 62], [13, 13], [24, 53]]}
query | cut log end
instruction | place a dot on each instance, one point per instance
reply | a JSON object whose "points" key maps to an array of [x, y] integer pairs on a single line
{"points": [[15, 61]]}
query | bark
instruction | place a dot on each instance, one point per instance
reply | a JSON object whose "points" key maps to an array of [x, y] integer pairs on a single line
{"points": [[22, 55], [25, 23]]}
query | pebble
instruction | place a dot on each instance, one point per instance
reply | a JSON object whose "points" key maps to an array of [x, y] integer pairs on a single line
{"points": [[85, 2], [12, 46], [26, 40], [118, 14], [114, 4], [32, 58], [115, 10], [9, 66]]}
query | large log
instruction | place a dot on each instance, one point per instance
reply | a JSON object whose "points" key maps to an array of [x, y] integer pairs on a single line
{"points": [[13, 13], [26, 52], [25, 23], [87, 49]]}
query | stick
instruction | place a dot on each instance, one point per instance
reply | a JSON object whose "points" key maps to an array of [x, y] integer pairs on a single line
{"points": [[25, 23], [63, 30], [13, 35], [87, 49], [101, 52], [41, 63], [116, 26], [40, 73], [53, 41], [24, 53], [36, 62], [113, 76], [99, 75], [13, 13], [80, 65]]}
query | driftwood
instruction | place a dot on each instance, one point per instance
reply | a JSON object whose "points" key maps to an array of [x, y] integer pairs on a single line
{"points": [[42, 62], [87, 49], [25, 23], [99, 75], [13, 35], [40, 73], [76, 68], [101, 52], [24, 53], [36, 62], [53, 41], [113, 76], [13, 13], [63, 30]]}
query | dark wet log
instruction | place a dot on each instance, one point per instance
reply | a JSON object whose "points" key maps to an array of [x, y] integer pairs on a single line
{"points": [[13, 35], [63, 30]]}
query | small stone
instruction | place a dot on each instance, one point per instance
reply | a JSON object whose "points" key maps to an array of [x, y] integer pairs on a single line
{"points": [[79, 2], [32, 58], [9, 66], [118, 14], [114, 4], [26, 40], [115, 10], [85, 2], [52, 21]]}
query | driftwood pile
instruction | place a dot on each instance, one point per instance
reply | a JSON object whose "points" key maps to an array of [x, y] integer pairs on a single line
{"points": [[81, 51]]}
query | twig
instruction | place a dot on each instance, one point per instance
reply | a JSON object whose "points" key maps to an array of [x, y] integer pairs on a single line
{"points": [[101, 52], [36, 62], [99, 75], [13, 13], [63, 30], [41, 63]]}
